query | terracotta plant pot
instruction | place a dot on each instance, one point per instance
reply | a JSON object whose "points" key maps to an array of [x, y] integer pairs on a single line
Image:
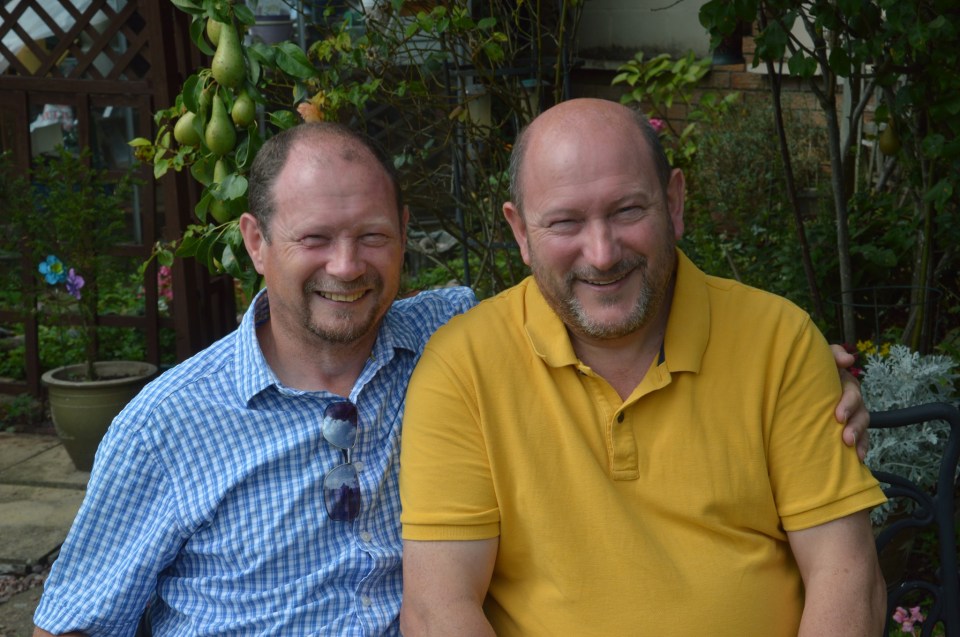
{"points": [[82, 409]]}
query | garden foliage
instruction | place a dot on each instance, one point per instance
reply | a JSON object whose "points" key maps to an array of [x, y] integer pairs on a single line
{"points": [[892, 62], [904, 378]]}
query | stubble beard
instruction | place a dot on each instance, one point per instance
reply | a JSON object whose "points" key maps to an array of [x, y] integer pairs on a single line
{"points": [[342, 327], [561, 297]]}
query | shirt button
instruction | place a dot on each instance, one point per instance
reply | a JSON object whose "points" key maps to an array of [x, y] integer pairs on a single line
{"points": [[358, 465], [366, 601], [366, 536], [620, 417]]}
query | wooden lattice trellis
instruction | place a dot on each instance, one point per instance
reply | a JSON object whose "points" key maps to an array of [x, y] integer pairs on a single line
{"points": [[106, 66], [95, 29]]}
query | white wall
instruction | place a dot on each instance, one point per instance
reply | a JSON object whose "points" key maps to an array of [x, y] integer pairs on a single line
{"points": [[624, 27]]}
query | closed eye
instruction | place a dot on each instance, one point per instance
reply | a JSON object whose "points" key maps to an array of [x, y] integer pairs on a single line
{"points": [[563, 225], [374, 239], [314, 241], [630, 213]]}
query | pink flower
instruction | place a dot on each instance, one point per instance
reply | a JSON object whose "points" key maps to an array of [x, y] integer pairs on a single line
{"points": [[658, 125], [165, 283], [907, 620]]}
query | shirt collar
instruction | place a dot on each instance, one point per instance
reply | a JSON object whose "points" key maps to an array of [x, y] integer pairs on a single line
{"points": [[688, 326], [254, 374]]}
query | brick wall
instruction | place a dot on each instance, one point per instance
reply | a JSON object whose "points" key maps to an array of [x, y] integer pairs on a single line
{"points": [[593, 79]]}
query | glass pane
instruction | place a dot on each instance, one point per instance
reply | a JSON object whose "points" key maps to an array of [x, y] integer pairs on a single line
{"points": [[111, 128], [52, 125]]}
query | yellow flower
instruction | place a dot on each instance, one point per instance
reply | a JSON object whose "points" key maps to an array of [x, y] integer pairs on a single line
{"points": [[866, 347]]}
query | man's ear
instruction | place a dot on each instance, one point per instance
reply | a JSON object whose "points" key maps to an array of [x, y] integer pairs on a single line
{"points": [[252, 239], [519, 227], [675, 197]]}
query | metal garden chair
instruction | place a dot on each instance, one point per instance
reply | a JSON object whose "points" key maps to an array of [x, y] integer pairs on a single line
{"points": [[932, 511]]}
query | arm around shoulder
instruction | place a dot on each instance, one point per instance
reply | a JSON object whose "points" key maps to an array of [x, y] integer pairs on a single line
{"points": [[444, 585], [845, 591]]}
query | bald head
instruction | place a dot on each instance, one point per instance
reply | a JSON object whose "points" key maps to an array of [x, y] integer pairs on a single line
{"points": [[320, 143], [570, 125]]}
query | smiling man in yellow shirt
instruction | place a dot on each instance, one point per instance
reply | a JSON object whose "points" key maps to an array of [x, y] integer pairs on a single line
{"points": [[621, 441]]}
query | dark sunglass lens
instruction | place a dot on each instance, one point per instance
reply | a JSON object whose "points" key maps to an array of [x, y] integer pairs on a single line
{"points": [[340, 424], [341, 493]]}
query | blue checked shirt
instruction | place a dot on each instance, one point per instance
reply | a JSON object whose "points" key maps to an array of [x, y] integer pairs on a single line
{"points": [[206, 498]]}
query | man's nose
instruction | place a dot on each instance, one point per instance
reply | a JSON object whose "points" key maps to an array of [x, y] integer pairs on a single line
{"points": [[601, 247], [344, 262]]}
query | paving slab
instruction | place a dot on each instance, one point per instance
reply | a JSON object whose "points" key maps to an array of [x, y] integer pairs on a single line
{"points": [[34, 521], [15, 448], [34, 461], [40, 494]]}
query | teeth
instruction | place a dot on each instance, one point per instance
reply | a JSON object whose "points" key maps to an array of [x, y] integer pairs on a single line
{"points": [[344, 298]]}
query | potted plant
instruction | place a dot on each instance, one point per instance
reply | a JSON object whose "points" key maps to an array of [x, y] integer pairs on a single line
{"points": [[70, 216]]}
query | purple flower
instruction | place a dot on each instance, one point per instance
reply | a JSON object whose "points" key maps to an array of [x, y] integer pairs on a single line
{"points": [[74, 283], [52, 270]]}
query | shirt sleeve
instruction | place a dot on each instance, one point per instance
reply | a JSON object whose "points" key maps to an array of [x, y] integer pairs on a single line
{"points": [[125, 533], [805, 446], [441, 430]]}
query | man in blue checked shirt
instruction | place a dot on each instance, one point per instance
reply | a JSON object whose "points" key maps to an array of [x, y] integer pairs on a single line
{"points": [[252, 490]]}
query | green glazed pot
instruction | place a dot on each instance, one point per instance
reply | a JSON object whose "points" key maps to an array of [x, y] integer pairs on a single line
{"points": [[83, 409]]}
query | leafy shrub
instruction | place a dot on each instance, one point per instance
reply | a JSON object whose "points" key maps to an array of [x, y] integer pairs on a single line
{"points": [[904, 378], [739, 223]]}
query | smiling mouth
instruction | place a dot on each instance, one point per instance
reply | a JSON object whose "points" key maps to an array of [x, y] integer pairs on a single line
{"points": [[605, 282], [342, 298]]}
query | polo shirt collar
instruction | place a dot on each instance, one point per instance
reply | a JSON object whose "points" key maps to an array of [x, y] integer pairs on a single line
{"points": [[688, 327]]}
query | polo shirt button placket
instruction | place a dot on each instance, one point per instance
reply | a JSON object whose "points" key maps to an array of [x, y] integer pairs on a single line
{"points": [[620, 417]]}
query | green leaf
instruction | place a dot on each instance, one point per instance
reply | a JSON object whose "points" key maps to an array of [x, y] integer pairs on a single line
{"points": [[191, 93], [293, 61], [494, 52], [772, 42], [284, 119], [234, 187], [244, 13], [802, 66], [160, 168], [197, 35], [839, 62], [188, 6], [188, 246]]}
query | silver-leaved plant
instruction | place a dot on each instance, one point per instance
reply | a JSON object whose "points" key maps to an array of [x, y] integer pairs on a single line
{"points": [[904, 378]]}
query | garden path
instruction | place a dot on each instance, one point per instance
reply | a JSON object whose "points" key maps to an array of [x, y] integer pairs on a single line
{"points": [[40, 493]]}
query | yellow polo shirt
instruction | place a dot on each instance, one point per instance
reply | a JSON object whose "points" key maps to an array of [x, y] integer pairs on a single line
{"points": [[664, 513]]}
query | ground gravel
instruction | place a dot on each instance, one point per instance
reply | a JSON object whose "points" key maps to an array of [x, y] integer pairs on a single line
{"points": [[10, 585]]}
